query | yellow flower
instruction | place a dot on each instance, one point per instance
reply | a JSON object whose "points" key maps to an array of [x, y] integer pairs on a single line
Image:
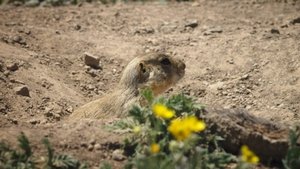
{"points": [[194, 124], [155, 148], [248, 155], [183, 128], [136, 129], [179, 129], [162, 111]]}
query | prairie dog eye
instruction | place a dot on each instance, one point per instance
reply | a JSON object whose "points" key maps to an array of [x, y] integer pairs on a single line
{"points": [[165, 61], [144, 75]]}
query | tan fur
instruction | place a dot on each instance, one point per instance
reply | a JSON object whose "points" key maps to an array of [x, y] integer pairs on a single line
{"points": [[155, 70]]}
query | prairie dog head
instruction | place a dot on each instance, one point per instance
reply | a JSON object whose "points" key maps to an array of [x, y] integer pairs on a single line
{"points": [[157, 71]]}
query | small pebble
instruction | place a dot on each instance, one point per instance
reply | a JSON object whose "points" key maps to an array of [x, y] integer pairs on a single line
{"points": [[17, 39], [77, 27], [117, 155], [245, 77], [275, 31], [92, 141], [97, 146], [90, 147], [192, 23], [12, 66], [34, 121]]}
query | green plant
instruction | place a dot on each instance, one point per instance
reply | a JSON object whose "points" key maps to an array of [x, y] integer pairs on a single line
{"points": [[13, 159], [292, 159], [166, 136], [105, 166], [24, 159], [60, 161]]}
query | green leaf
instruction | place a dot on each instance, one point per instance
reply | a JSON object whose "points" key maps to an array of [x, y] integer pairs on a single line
{"points": [[137, 114], [50, 153], [292, 159], [24, 144], [148, 95], [105, 165]]}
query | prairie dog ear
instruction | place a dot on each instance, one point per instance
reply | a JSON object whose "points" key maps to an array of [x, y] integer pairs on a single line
{"points": [[143, 73]]}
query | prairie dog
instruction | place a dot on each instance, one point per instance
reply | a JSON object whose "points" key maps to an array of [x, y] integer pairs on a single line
{"points": [[157, 71]]}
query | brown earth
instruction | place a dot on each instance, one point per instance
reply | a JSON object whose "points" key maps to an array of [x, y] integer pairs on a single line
{"points": [[239, 54]]}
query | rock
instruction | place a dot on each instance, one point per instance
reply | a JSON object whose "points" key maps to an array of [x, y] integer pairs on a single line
{"points": [[212, 31], [90, 147], [92, 61], [296, 20], [27, 32], [57, 116], [32, 3], [97, 146], [16, 81], [84, 145], [87, 68], [191, 23], [230, 61], [245, 77], [14, 121], [195, 4], [70, 109], [55, 2], [216, 30], [144, 30], [168, 28], [22, 90], [118, 155], [92, 72], [77, 27], [90, 87], [12, 66], [92, 141], [74, 72], [6, 73], [34, 121], [45, 4], [18, 39], [17, 3], [275, 31]]}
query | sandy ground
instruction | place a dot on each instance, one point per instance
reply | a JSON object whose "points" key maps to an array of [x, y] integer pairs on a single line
{"points": [[239, 54]]}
